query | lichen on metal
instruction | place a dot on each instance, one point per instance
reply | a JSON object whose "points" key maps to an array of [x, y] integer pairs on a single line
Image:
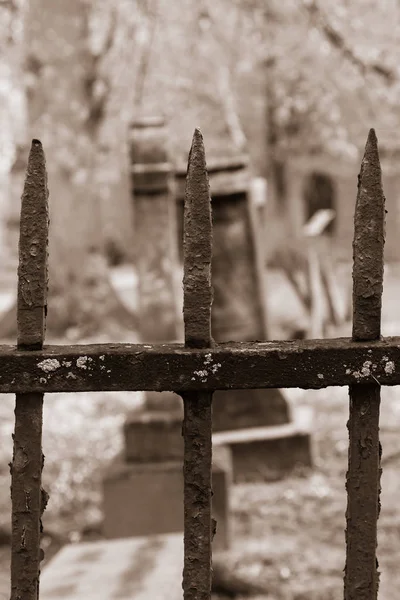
{"points": [[27, 496], [82, 362], [197, 422], [361, 579], [48, 365], [389, 367]]}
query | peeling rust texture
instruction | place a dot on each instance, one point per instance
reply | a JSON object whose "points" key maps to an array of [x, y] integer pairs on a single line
{"points": [[368, 244], [197, 290], [197, 421], [307, 364], [363, 488], [32, 269], [361, 579], [196, 430], [27, 496]]}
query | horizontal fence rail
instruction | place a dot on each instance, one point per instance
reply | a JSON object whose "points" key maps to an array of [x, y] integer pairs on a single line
{"points": [[195, 370], [307, 364]]}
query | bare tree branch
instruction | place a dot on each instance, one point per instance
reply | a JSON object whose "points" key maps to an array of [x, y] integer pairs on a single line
{"points": [[96, 84], [337, 40], [143, 70]]}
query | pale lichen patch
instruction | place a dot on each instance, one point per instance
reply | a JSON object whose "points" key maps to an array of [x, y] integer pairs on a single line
{"points": [[202, 375], [366, 368], [208, 359], [389, 367], [49, 364], [210, 369], [82, 362]]}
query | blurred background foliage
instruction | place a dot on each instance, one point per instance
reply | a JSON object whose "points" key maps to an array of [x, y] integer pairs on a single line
{"points": [[298, 74]]}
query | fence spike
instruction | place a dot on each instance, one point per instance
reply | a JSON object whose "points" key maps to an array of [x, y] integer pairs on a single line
{"points": [[197, 290], [197, 422], [363, 476], [27, 496], [368, 244], [32, 269]]}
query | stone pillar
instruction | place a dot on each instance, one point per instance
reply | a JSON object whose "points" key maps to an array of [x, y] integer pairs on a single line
{"points": [[143, 488], [156, 249]]}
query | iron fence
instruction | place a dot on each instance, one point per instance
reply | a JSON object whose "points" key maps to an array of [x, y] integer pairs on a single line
{"points": [[195, 370]]}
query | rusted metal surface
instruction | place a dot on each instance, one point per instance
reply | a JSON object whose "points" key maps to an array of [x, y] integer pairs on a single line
{"points": [[27, 496], [32, 269], [195, 370], [197, 291], [307, 364], [369, 239], [196, 430], [363, 477], [156, 255], [197, 422]]}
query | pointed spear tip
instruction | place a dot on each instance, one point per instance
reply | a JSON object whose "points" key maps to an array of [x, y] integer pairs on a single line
{"points": [[197, 154], [372, 143], [36, 151], [197, 134], [197, 141]]}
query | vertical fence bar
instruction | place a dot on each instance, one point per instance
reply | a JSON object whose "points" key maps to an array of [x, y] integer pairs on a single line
{"points": [[197, 423], [361, 579], [27, 496]]}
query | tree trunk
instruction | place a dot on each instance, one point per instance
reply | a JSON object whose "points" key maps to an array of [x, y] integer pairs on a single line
{"points": [[12, 118], [66, 114]]}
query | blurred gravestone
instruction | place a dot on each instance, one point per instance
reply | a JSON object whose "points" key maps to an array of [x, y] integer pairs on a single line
{"points": [[156, 249], [148, 475]]}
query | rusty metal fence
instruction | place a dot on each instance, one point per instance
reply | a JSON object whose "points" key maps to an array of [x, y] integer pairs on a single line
{"points": [[197, 368]]}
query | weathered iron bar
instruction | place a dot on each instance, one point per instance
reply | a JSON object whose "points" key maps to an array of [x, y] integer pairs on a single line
{"points": [[197, 421], [361, 580], [27, 496], [307, 364]]}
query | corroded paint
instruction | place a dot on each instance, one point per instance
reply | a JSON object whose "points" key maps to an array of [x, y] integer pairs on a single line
{"points": [[172, 367], [368, 245], [361, 578], [197, 422], [32, 268], [197, 291], [27, 496]]}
